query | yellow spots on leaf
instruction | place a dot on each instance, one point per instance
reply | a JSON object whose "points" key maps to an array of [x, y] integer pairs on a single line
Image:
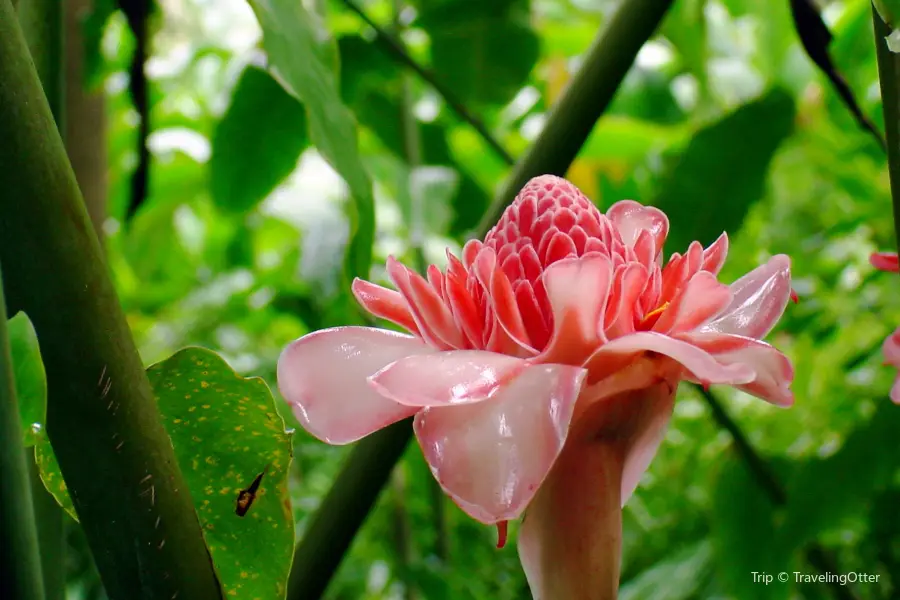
{"points": [[210, 460], [192, 408], [204, 384], [207, 406], [239, 428], [176, 421]]}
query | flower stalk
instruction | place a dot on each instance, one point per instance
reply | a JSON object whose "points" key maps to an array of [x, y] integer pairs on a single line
{"points": [[368, 467]]}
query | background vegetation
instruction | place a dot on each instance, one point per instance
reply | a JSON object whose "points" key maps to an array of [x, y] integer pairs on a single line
{"points": [[226, 225]]}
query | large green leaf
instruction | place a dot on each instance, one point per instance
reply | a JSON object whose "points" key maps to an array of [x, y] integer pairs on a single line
{"points": [[679, 577], [371, 84], [257, 142], [743, 522], [484, 51], [298, 50], [713, 183], [825, 492], [226, 433], [28, 372]]}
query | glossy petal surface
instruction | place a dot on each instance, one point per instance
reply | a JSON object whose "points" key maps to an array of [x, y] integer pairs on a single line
{"points": [[445, 378], [323, 376], [492, 456], [758, 300]]}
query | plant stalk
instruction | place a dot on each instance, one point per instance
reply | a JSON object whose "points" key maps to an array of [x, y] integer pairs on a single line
{"points": [[20, 562], [889, 78], [585, 100], [42, 25], [369, 465], [102, 420]]}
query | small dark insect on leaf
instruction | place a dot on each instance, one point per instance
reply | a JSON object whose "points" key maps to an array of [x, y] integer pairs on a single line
{"points": [[247, 496]]}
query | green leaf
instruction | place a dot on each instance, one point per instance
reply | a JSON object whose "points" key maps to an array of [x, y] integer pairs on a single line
{"points": [[824, 493], [28, 372], [743, 524], [710, 187], [483, 51], [371, 85], [297, 53], [678, 577], [257, 143], [226, 432], [51, 475]]}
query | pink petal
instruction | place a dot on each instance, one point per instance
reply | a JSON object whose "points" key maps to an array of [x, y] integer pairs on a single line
{"points": [[885, 261], [630, 218], [891, 351], [384, 303], [758, 300], [630, 281], [323, 377], [502, 298], [774, 372], [606, 361], [702, 298], [714, 256], [433, 319], [578, 290], [444, 378], [491, 457]]}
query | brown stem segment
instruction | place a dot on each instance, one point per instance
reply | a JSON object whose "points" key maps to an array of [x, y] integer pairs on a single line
{"points": [[571, 538]]}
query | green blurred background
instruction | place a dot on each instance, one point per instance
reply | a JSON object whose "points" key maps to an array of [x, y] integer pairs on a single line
{"points": [[723, 121]]}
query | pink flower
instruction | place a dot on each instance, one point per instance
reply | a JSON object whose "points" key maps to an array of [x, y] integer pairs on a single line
{"points": [[888, 261], [542, 368]]}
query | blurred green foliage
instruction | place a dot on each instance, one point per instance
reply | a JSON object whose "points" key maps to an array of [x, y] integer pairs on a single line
{"points": [[241, 245]]}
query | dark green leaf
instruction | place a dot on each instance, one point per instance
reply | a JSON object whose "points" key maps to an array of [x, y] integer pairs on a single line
{"points": [[710, 187], [257, 143], [825, 492], [28, 372], [483, 50], [226, 432], [743, 522], [51, 475], [297, 52], [677, 578]]}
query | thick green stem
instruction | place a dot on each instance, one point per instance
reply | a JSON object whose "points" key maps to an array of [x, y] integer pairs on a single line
{"points": [[42, 25], [889, 77], [369, 465], [20, 563], [102, 419], [51, 531], [41, 22], [343, 510], [585, 100]]}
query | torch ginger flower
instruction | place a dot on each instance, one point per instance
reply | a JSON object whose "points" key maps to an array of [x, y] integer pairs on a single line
{"points": [[888, 261], [542, 369]]}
